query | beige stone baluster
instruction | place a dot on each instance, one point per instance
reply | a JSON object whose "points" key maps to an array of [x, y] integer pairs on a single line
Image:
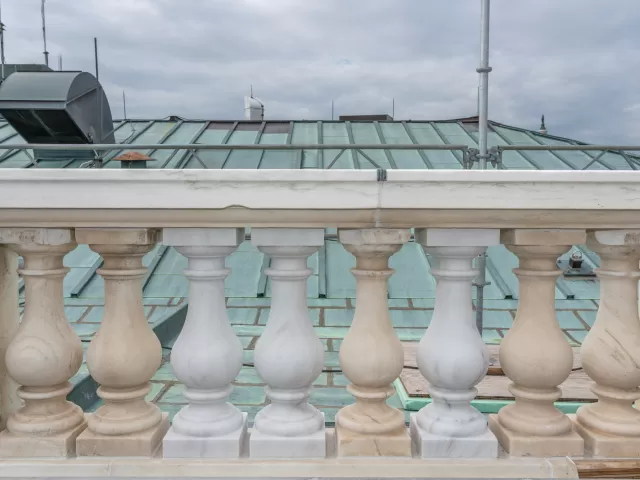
{"points": [[610, 353], [9, 321], [45, 352], [125, 353], [535, 354], [371, 354]]}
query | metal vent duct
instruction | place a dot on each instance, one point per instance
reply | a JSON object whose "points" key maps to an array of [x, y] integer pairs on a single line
{"points": [[57, 108]]}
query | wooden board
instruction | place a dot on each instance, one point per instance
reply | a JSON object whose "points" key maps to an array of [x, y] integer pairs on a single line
{"points": [[588, 468], [577, 388]]}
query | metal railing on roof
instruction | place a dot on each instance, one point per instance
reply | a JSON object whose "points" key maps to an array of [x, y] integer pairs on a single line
{"points": [[470, 155]]}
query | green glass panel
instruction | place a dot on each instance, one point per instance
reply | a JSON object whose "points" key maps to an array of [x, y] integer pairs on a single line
{"points": [[394, 133]]}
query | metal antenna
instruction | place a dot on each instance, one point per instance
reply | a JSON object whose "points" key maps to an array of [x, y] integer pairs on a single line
{"points": [[98, 88], [331, 109], [60, 62], [251, 91], [124, 104], [44, 37], [2, 43], [393, 107]]}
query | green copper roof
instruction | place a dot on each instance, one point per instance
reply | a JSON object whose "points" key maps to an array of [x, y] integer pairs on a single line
{"points": [[465, 131]]}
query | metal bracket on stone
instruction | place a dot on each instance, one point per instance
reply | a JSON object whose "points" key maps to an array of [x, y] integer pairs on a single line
{"points": [[575, 266], [472, 155]]}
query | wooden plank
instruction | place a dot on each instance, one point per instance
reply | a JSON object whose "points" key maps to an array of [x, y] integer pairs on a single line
{"points": [[608, 468], [577, 388]]}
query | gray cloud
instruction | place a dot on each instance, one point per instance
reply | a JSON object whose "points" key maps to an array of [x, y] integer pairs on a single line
{"points": [[574, 61]]}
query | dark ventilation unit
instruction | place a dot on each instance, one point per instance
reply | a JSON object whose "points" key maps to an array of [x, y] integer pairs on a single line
{"points": [[366, 118], [57, 108]]}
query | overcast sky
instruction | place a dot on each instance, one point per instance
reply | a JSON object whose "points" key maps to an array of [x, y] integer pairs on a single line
{"points": [[576, 61]]}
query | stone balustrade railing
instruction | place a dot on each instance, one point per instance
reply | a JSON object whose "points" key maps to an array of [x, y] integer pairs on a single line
{"points": [[122, 215]]}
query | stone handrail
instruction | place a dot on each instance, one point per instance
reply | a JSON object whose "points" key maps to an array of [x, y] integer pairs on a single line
{"points": [[122, 215]]}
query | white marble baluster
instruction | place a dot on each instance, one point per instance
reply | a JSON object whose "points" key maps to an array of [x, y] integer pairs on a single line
{"points": [[288, 356], [125, 353], [535, 355], [9, 321], [371, 355], [610, 353], [44, 354], [207, 356], [452, 355]]}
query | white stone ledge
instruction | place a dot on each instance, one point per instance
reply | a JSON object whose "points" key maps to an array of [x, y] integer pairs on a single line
{"points": [[103, 468], [312, 198]]}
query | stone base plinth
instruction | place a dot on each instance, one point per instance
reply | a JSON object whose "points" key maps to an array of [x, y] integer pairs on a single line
{"points": [[600, 444], [429, 445], [176, 445], [271, 446], [143, 444], [393, 444], [61, 445], [570, 444]]}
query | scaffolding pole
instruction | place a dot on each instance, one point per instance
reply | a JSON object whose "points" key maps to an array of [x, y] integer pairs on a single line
{"points": [[483, 114]]}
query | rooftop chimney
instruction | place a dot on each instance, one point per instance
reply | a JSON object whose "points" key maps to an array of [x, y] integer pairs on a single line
{"points": [[253, 109]]}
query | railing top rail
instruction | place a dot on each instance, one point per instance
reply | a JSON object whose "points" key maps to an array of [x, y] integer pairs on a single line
{"points": [[195, 146], [326, 146], [570, 147], [118, 198]]}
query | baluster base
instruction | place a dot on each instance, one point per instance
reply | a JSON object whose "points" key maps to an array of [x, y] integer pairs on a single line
{"points": [[392, 444], [59, 445], [230, 445], [569, 444], [263, 445], [600, 444], [429, 445], [141, 444]]}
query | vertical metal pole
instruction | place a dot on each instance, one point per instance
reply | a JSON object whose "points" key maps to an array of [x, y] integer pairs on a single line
{"points": [[484, 70], [44, 37], [2, 44], [331, 109], [98, 89], [124, 104], [59, 63], [483, 126], [393, 107]]}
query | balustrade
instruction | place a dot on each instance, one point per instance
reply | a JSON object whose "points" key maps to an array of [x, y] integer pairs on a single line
{"points": [[371, 355], [289, 355], [610, 352], [452, 355], [535, 354], [43, 352], [124, 354], [207, 356]]}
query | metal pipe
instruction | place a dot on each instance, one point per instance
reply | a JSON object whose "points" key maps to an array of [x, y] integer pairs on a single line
{"points": [[484, 70], [2, 44], [44, 37], [570, 147], [483, 114], [156, 146]]}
